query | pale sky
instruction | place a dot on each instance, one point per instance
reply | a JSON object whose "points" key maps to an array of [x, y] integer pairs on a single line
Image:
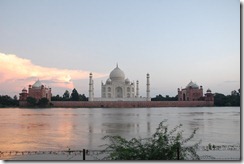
{"points": [[61, 41]]}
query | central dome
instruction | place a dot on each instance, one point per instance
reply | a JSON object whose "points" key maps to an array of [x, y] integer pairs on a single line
{"points": [[37, 84], [192, 85], [117, 74]]}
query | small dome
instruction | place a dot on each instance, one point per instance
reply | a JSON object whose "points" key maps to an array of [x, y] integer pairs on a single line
{"points": [[192, 85], [208, 91], [108, 81], [117, 74], [37, 84], [24, 90], [127, 81]]}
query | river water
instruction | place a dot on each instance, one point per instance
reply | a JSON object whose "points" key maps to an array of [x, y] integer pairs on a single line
{"points": [[83, 128]]}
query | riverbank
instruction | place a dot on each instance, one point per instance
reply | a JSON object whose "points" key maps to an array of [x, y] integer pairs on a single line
{"points": [[126, 104]]}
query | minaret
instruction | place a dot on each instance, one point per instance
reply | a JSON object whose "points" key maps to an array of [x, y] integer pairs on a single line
{"points": [[137, 88], [101, 88], [148, 88], [90, 88]]}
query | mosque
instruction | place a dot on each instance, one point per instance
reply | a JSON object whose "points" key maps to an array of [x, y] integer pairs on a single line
{"points": [[117, 88], [37, 91]]}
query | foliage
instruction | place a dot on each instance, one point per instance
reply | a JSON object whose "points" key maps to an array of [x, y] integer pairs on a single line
{"points": [[163, 145], [229, 100], [31, 101], [66, 95], [83, 97], [7, 101], [74, 95], [43, 102], [56, 98], [166, 98]]}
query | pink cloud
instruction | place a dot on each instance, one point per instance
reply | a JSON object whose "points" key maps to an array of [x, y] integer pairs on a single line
{"points": [[16, 73]]}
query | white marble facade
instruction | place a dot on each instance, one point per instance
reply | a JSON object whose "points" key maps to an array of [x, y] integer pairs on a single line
{"points": [[117, 88]]}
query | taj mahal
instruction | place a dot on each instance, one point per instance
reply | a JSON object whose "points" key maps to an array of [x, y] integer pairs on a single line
{"points": [[118, 91], [117, 88]]}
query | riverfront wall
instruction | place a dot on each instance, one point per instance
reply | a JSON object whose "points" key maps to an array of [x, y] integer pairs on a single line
{"points": [[130, 104], [125, 104]]}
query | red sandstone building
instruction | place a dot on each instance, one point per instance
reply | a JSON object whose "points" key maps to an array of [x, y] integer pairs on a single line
{"points": [[192, 92], [37, 91]]}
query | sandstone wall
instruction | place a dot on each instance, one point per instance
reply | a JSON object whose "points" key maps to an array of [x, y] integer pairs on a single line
{"points": [[130, 104]]}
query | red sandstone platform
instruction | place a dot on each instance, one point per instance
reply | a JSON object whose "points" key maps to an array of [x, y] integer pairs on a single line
{"points": [[125, 104], [130, 104]]}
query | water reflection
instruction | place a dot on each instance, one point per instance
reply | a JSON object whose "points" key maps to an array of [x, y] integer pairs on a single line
{"points": [[60, 128]]}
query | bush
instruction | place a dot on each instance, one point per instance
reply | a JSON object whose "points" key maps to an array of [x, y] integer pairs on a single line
{"points": [[43, 102], [31, 101], [163, 145]]}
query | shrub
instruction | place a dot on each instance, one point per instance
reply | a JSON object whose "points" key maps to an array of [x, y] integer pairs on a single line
{"points": [[163, 145]]}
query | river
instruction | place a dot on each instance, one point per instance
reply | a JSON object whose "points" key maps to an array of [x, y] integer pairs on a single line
{"points": [[83, 128]]}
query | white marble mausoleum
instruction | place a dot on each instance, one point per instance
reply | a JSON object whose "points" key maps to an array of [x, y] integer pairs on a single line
{"points": [[118, 88]]}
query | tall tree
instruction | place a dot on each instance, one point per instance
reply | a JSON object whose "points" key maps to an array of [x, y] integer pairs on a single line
{"points": [[74, 95], [15, 97], [31, 100], [56, 98], [83, 97], [66, 95], [43, 102]]}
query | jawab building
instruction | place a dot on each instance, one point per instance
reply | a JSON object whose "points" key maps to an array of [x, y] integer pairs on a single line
{"points": [[119, 88], [37, 91]]}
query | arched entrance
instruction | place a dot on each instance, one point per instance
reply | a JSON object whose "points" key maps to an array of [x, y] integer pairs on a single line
{"points": [[184, 97], [119, 92]]}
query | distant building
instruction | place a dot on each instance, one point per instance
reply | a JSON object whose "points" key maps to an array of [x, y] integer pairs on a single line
{"points": [[209, 96], [37, 91], [117, 88], [192, 92], [23, 95]]}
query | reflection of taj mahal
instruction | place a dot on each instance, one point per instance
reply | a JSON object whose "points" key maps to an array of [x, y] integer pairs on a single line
{"points": [[117, 88]]}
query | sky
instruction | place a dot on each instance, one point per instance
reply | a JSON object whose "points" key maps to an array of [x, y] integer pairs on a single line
{"points": [[61, 41]]}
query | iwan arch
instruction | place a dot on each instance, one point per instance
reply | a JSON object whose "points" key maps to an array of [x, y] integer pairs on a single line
{"points": [[117, 88]]}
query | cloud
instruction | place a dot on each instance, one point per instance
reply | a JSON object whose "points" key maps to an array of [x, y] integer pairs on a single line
{"points": [[16, 73]]}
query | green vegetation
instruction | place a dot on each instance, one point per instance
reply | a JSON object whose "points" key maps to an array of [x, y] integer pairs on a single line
{"points": [[229, 100], [43, 102], [7, 101], [32, 102], [66, 96], [163, 145], [166, 98], [75, 96]]}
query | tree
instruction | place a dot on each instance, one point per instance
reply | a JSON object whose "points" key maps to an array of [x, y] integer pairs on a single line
{"points": [[230, 100], [15, 97], [31, 101], [74, 95], [6, 101], [43, 102], [167, 98], [83, 97], [163, 145], [66, 95], [56, 98]]}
